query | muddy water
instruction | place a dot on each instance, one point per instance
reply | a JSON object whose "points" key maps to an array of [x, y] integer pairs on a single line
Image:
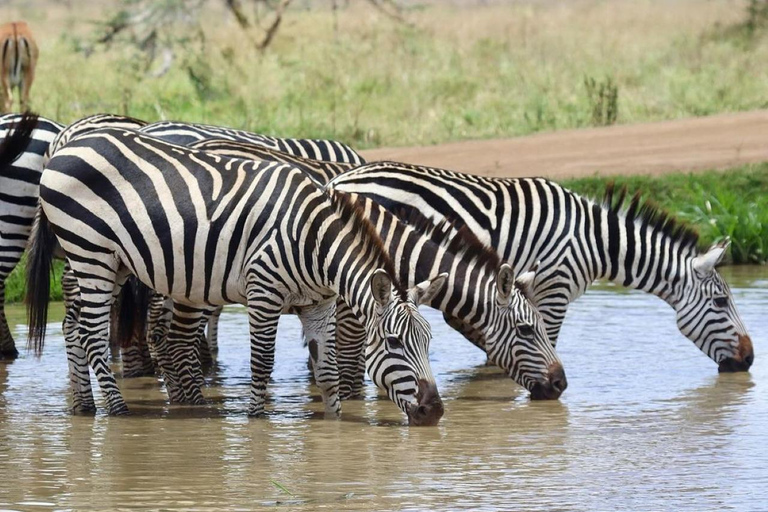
{"points": [[646, 423]]}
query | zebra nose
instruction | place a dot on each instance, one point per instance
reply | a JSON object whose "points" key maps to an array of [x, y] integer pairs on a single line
{"points": [[553, 386], [742, 360], [429, 407]]}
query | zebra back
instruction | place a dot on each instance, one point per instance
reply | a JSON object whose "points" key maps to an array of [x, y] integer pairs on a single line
{"points": [[317, 149], [89, 124], [320, 171]]}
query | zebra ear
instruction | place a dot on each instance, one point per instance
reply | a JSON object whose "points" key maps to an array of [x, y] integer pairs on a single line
{"points": [[505, 281], [425, 291], [705, 263], [525, 281], [381, 287]]}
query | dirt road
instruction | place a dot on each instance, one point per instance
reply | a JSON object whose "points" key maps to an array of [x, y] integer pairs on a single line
{"points": [[715, 142]]}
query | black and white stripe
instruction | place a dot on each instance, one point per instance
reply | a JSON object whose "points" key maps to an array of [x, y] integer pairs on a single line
{"points": [[18, 199], [471, 300], [576, 241], [208, 230], [482, 298], [316, 149]]}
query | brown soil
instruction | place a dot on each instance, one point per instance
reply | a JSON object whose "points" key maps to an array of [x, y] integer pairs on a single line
{"points": [[697, 144]]}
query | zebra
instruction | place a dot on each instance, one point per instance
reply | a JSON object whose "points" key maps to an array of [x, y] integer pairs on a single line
{"points": [[537, 367], [317, 149], [135, 357], [577, 241], [18, 199], [482, 292], [262, 234]]}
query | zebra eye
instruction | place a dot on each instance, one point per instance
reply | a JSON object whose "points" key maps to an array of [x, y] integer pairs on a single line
{"points": [[720, 302], [394, 344], [525, 330]]}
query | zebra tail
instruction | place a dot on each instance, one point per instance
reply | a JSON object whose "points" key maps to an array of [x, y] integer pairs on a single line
{"points": [[18, 139], [40, 252], [134, 308]]}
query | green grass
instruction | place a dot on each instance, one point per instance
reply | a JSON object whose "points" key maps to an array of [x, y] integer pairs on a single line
{"points": [[732, 203], [462, 73]]}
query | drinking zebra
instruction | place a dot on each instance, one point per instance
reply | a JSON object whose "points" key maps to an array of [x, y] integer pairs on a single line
{"points": [[261, 234], [19, 181], [576, 241], [483, 293], [510, 333], [50, 136]]}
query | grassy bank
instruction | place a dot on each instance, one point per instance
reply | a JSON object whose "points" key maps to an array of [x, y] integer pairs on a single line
{"points": [[737, 199], [458, 73]]}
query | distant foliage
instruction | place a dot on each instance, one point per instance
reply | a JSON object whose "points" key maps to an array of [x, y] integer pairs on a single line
{"points": [[757, 16], [603, 98]]}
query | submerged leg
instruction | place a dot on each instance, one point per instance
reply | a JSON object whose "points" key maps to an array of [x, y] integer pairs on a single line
{"points": [[96, 295], [183, 353], [350, 344], [319, 326], [79, 374], [264, 311], [7, 346], [212, 334]]}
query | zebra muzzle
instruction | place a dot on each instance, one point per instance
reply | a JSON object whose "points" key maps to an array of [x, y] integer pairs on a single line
{"points": [[553, 386], [742, 360], [428, 408]]}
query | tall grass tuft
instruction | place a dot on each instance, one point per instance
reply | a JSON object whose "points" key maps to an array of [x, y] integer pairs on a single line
{"points": [[727, 214], [603, 99]]}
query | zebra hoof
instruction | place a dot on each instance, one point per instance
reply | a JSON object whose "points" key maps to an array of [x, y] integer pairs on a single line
{"points": [[254, 412], [138, 373], [84, 410], [9, 354], [119, 410], [352, 394]]}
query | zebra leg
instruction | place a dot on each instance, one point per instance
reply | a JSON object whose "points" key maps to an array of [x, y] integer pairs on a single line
{"points": [[79, 374], [136, 360], [264, 311], [350, 345], [7, 346], [206, 359], [183, 352], [212, 334], [158, 320], [318, 322], [94, 336]]}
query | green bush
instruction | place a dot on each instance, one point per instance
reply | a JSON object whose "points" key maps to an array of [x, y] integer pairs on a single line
{"points": [[726, 214]]}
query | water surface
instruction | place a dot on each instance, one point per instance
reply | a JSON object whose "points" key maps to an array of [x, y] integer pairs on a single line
{"points": [[646, 423]]}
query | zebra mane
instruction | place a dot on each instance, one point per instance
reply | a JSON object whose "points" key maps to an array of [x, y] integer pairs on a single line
{"points": [[457, 240], [372, 244], [649, 213]]}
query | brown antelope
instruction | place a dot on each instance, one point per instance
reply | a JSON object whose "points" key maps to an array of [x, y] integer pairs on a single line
{"points": [[18, 62]]}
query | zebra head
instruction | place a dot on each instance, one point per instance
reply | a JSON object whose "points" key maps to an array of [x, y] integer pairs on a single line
{"points": [[397, 354], [707, 315], [513, 335]]}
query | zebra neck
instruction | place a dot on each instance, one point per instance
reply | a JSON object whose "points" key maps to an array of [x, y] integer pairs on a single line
{"points": [[632, 253]]}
